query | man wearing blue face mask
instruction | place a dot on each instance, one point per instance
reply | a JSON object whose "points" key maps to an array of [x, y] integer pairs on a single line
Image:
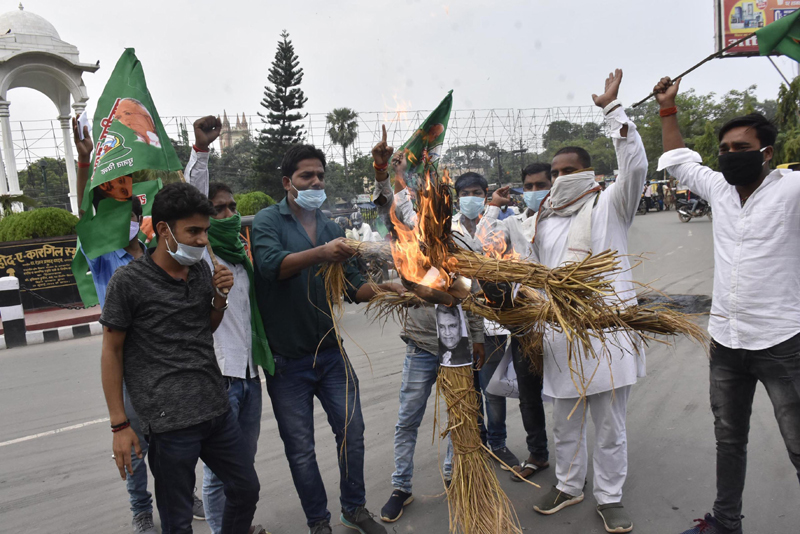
{"points": [[291, 241], [536, 184], [755, 311]]}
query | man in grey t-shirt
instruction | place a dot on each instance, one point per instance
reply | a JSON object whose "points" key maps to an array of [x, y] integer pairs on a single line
{"points": [[160, 313]]}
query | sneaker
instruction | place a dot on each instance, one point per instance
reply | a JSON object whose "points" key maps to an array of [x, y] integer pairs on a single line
{"points": [[555, 501], [323, 527], [198, 512], [615, 518], [258, 529], [361, 520], [393, 508], [508, 460], [143, 523], [709, 525]]}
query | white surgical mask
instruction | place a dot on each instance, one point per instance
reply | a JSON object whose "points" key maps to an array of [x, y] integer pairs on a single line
{"points": [[471, 207], [533, 199], [310, 199], [134, 231], [186, 254]]}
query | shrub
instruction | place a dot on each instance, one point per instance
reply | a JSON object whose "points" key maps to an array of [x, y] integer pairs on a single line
{"points": [[42, 222], [252, 202]]}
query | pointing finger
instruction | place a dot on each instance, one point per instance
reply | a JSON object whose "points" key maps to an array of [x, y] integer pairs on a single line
{"points": [[383, 126]]}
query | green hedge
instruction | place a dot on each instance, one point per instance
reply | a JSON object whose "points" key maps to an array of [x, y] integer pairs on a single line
{"points": [[252, 202], [42, 222]]}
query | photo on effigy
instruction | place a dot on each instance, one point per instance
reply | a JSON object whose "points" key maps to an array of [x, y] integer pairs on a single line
{"points": [[451, 327]]}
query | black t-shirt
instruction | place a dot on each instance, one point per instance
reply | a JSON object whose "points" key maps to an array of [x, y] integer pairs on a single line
{"points": [[170, 369]]}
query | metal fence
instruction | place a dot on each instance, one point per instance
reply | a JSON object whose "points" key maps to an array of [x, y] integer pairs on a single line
{"points": [[511, 129]]}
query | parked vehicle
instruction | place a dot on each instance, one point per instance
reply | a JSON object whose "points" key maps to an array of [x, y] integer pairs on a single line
{"points": [[686, 214]]}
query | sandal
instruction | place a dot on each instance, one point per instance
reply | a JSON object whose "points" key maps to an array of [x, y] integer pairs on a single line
{"points": [[526, 470]]}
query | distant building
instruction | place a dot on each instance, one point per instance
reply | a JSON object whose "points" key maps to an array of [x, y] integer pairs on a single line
{"points": [[230, 136]]}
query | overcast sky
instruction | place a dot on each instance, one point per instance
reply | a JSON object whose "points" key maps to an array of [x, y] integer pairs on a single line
{"points": [[203, 56]]}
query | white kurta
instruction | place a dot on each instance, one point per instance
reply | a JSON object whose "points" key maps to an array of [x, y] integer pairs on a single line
{"points": [[612, 216]]}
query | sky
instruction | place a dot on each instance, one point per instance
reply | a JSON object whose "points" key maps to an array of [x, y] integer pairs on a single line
{"points": [[203, 56]]}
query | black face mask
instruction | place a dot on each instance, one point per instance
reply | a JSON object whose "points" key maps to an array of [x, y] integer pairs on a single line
{"points": [[742, 168]]}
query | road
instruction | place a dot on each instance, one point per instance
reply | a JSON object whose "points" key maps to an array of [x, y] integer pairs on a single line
{"points": [[67, 483]]}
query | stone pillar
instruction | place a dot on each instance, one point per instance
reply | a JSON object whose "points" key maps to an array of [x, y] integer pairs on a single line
{"points": [[3, 182], [69, 161], [8, 147]]}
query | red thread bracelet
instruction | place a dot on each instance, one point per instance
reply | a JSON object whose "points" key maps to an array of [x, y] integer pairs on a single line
{"points": [[197, 149], [82, 165], [380, 167], [123, 426], [668, 111]]}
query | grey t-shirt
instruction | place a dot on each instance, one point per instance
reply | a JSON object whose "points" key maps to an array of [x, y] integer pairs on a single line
{"points": [[170, 368]]}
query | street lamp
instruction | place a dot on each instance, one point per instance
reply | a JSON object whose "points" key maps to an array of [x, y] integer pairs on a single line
{"points": [[43, 165]]}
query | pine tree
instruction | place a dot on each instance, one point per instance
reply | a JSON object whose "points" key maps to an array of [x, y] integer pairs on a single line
{"points": [[282, 100]]}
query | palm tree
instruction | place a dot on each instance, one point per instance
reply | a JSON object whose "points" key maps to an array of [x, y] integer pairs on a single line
{"points": [[343, 130], [7, 202]]}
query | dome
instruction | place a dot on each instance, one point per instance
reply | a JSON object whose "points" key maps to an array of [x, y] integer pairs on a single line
{"points": [[27, 23]]}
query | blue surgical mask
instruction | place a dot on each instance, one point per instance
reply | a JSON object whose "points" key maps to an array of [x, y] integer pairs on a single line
{"points": [[471, 207], [310, 199], [134, 230], [533, 199], [186, 254]]}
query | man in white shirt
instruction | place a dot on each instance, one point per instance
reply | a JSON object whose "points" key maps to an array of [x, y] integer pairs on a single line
{"points": [[755, 313], [575, 220], [238, 346], [361, 230]]}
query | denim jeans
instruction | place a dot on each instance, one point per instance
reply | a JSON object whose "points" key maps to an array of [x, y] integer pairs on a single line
{"points": [[331, 378], [495, 405], [420, 369], [734, 375], [141, 499], [530, 404], [173, 459], [245, 398]]}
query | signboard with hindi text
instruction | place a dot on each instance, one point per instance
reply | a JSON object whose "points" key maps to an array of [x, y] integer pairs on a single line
{"points": [[738, 18], [43, 266]]}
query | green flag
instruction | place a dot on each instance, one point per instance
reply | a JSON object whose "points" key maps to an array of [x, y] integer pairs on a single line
{"points": [[782, 36], [427, 141], [130, 138], [146, 192]]}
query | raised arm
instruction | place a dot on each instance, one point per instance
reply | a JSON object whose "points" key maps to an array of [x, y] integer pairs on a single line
{"points": [[666, 91], [631, 157], [206, 131], [84, 148]]}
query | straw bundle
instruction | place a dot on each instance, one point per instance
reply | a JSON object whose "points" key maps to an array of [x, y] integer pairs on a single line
{"points": [[477, 503]]}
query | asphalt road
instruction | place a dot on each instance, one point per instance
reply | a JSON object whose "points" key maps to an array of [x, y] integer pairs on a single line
{"points": [[67, 483]]}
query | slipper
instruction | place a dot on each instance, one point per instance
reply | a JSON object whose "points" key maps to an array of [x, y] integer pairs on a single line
{"points": [[526, 470]]}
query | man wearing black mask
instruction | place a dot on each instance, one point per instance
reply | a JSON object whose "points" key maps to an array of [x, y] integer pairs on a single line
{"points": [[755, 315]]}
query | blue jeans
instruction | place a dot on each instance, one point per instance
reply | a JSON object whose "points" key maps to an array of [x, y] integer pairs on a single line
{"points": [[495, 405], [173, 459], [292, 389], [734, 374], [419, 375], [245, 398], [141, 499]]}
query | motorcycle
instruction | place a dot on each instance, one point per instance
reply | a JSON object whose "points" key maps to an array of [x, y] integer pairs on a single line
{"points": [[642, 210], [685, 213]]}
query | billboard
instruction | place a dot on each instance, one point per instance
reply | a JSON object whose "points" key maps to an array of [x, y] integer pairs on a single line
{"points": [[739, 18]]}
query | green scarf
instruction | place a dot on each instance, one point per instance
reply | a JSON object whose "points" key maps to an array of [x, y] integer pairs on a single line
{"points": [[224, 238]]}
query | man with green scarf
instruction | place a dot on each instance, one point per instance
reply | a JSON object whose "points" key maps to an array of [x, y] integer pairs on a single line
{"points": [[239, 342]]}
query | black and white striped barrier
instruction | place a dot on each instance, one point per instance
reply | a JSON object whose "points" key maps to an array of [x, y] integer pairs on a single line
{"points": [[62, 333], [12, 313]]}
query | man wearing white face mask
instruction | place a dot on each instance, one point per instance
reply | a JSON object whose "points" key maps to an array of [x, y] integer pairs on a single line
{"points": [[159, 317], [576, 220]]}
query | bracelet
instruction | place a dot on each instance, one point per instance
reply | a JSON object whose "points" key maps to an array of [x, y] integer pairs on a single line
{"points": [[82, 165], [121, 426], [616, 102], [198, 150], [380, 167], [222, 309], [668, 111]]}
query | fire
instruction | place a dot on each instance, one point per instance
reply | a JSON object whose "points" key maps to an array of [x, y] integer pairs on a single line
{"points": [[495, 244], [420, 254], [398, 112]]}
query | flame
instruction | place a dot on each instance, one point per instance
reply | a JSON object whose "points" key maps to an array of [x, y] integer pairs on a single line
{"points": [[495, 244], [415, 251], [398, 112]]}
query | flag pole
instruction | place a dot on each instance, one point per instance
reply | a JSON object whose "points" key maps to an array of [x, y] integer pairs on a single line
{"points": [[706, 60]]}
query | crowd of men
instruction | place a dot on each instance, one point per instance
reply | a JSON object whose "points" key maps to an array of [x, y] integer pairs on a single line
{"points": [[180, 361]]}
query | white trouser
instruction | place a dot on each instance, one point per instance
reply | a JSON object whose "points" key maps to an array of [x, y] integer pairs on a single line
{"points": [[610, 458]]}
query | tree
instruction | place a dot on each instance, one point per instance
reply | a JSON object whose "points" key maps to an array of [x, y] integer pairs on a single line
{"points": [[45, 181], [343, 130], [281, 100], [787, 119]]}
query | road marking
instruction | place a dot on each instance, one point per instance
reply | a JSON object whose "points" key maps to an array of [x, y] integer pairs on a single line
{"points": [[56, 431]]}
